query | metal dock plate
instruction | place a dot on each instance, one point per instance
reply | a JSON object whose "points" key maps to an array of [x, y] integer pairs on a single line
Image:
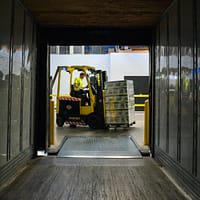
{"points": [[100, 147]]}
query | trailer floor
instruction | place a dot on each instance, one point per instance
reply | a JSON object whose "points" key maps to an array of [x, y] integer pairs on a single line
{"points": [[55, 178]]}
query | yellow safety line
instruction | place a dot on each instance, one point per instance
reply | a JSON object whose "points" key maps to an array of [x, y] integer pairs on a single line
{"points": [[139, 105], [141, 95]]}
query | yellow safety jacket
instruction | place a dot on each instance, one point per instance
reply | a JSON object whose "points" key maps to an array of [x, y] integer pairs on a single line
{"points": [[79, 83]]}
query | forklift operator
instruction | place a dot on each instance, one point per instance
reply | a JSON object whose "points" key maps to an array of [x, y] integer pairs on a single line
{"points": [[79, 89], [78, 82]]}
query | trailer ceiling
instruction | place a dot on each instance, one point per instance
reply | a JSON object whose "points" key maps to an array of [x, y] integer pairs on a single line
{"points": [[97, 13]]}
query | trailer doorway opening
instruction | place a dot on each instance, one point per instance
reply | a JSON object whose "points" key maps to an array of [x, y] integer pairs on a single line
{"points": [[119, 63]]}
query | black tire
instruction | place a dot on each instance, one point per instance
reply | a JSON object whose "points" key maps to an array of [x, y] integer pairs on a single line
{"points": [[59, 121], [94, 121]]}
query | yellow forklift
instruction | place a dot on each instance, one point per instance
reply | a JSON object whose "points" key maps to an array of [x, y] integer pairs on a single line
{"points": [[71, 109]]}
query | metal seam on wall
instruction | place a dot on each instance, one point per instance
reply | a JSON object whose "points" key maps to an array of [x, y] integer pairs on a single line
{"points": [[195, 90], [31, 87], [10, 81], [152, 96], [167, 73], [22, 84], [159, 85], [179, 86]]}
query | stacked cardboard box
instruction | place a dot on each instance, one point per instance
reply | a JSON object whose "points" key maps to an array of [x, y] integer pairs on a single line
{"points": [[119, 102]]}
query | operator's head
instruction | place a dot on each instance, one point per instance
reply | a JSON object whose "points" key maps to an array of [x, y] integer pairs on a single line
{"points": [[82, 75]]}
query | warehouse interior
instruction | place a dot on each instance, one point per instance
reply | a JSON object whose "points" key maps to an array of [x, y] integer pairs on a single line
{"points": [[119, 63], [169, 28]]}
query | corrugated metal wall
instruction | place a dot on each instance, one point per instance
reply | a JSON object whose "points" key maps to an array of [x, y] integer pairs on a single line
{"points": [[198, 87], [17, 86], [177, 97]]}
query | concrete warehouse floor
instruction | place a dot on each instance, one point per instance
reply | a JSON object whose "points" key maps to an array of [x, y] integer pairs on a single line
{"points": [[136, 132]]}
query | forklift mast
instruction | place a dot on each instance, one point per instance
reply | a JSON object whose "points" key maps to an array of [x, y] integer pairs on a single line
{"points": [[99, 84]]}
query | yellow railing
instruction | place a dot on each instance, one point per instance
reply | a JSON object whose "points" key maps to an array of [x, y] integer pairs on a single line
{"points": [[52, 134], [146, 122], [140, 96], [146, 115]]}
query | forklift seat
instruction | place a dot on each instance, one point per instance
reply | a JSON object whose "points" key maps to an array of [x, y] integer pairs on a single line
{"points": [[80, 95]]}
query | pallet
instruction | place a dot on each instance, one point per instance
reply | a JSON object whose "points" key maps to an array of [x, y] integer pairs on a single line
{"points": [[116, 125]]}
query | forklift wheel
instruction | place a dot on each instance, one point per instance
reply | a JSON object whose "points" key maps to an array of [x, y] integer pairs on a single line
{"points": [[59, 121], [94, 121]]}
